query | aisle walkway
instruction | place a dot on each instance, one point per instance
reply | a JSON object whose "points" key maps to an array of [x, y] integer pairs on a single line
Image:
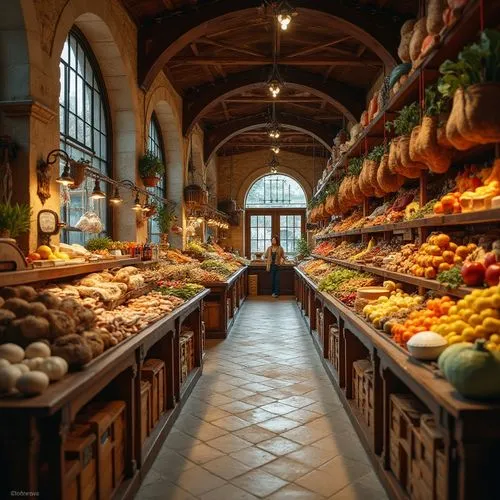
{"points": [[263, 422]]}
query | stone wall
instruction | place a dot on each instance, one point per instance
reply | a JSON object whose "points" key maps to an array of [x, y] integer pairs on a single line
{"points": [[32, 34], [248, 167]]}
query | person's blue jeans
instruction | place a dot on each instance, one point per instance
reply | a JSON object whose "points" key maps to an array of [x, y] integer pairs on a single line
{"points": [[275, 275]]}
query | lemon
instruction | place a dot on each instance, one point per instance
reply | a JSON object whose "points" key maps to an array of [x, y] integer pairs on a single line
{"points": [[468, 333], [461, 304], [480, 332], [489, 313], [496, 301], [475, 320], [453, 310], [483, 303], [450, 335], [459, 326], [495, 338], [455, 339], [466, 313], [491, 325]]}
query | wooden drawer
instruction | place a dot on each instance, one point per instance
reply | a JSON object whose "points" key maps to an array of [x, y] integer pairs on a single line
{"points": [[153, 371], [405, 412], [212, 315], [80, 464], [145, 410], [108, 422], [432, 440]]}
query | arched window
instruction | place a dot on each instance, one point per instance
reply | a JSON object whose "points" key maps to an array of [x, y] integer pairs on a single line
{"points": [[275, 205], [276, 191], [84, 129], [155, 145]]}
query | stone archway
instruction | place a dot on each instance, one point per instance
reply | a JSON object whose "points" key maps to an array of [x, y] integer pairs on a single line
{"points": [[106, 35]]}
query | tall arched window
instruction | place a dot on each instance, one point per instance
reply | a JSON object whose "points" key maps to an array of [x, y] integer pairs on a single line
{"points": [[275, 205], [155, 145], [84, 129]]}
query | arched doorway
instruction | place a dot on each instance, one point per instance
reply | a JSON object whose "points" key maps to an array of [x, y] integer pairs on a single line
{"points": [[275, 204]]}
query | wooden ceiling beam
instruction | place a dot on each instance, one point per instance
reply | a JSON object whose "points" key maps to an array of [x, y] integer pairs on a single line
{"points": [[226, 111], [207, 70], [215, 138], [263, 61], [347, 99], [161, 39], [282, 100], [233, 48], [317, 48], [260, 144]]}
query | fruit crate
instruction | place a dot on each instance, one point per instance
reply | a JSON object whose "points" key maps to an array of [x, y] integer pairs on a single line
{"points": [[359, 368], [367, 410], [253, 284], [145, 410], [108, 422], [187, 354], [80, 468], [405, 414], [153, 371]]}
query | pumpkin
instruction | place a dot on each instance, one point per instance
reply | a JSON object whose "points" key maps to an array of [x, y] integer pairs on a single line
{"points": [[450, 352], [474, 371]]}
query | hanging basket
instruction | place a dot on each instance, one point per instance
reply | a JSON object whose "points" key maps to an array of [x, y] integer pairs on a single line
{"points": [[77, 169], [193, 195], [150, 181]]}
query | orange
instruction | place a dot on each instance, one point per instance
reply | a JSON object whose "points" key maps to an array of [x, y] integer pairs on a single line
{"points": [[430, 273], [444, 267], [462, 251], [452, 246], [436, 261], [434, 250], [471, 247], [438, 208], [443, 240], [458, 260], [448, 256]]}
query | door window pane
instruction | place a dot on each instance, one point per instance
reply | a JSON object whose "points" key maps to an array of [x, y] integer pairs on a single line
{"points": [[290, 232], [261, 226]]}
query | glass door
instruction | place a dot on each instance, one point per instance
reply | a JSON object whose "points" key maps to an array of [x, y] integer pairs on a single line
{"points": [[290, 232], [261, 230]]}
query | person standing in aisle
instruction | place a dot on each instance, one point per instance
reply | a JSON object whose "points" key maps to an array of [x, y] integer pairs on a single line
{"points": [[275, 255]]}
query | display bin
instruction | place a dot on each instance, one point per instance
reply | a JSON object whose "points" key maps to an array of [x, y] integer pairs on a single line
{"points": [[80, 478], [107, 422], [145, 410], [359, 368], [336, 348], [154, 372]]}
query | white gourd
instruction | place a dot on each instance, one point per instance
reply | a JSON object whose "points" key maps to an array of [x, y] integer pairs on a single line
{"points": [[54, 367], [21, 366], [8, 377], [32, 383], [4, 362], [37, 350], [32, 363], [12, 353]]}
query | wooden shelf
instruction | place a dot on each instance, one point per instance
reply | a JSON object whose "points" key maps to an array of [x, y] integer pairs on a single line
{"points": [[405, 278], [480, 217], [13, 278], [453, 40]]}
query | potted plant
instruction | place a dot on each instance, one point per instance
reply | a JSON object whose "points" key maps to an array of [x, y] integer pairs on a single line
{"points": [[14, 220], [150, 169], [165, 218]]}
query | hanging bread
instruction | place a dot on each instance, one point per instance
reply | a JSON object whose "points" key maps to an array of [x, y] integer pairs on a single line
{"points": [[435, 10], [417, 38], [404, 46]]}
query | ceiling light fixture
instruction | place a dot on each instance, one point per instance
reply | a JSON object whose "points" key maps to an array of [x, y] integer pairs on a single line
{"points": [[137, 203], [275, 148], [273, 165], [97, 193]]}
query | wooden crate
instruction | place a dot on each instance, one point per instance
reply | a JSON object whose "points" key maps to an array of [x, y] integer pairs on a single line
{"points": [[108, 422], [359, 368], [80, 467], [186, 354], [253, 284], [368, 397], [145, 410], [405, 411], [153, 370]]}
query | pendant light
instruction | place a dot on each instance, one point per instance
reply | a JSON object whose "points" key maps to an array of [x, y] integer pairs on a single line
{"points": [[116, 199], [275, 148], [137, 203], [97, 193], [273, 127], [284, 15], [275, 83], [65, 178], [273, 165]]}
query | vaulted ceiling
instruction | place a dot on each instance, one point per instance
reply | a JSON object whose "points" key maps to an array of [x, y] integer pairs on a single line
{"points": [[218, 54]]}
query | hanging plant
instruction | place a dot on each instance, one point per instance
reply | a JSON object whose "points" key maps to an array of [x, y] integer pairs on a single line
{"points": [[150, 169], [165, 217], [14, 220], [407, 118], [473, 81]]}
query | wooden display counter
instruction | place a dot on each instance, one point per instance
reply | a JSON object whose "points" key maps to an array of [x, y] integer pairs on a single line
{"points": [[264, 279], [223, 303], [135, 390], [423, 439]]}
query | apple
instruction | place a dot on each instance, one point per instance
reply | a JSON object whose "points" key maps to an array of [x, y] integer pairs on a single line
{"points": [[473, 273], [492, 276], [34, 256], [489, 259]]}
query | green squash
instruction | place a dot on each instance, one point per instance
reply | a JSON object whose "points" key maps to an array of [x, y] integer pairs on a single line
{"points": [[474, 371], [450, 352]]}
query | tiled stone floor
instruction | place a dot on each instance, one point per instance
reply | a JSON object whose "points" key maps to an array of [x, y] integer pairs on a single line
{"points": [[263, 422]]}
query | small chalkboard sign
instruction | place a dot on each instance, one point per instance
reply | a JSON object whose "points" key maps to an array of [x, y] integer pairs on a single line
{"points": [[48, 225]]}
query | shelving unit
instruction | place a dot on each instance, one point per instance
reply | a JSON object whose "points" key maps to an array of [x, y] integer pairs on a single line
{"points": [[470, 430], [463, 32], [33, 431], [223, 303], [405, 278]]}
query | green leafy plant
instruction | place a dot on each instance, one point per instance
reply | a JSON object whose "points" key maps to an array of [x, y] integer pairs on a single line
{"points": [[376, 153], [451, 278], [435, 102], [99, 243], [14, 219], [165, 217], [355, 166], [408, 118], [303, 248], [476, 63], [150, 165]]}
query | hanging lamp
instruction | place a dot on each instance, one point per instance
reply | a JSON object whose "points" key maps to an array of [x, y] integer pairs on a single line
{"points": [[116, 198], [97, 192], [275, 82], [137, 203], [65, 178]]}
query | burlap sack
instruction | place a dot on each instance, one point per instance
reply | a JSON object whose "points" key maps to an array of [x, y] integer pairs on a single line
{"points": [[480, 123], [408, 168], [437, 159], [329, 207], [456, 122], [388, 181], [394, 155], [357, 194], [364, 180]]}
